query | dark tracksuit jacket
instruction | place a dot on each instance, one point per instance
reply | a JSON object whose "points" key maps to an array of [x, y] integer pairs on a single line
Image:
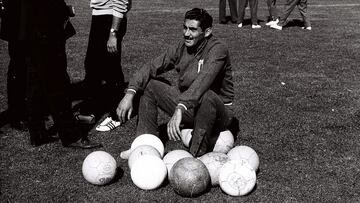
{"points": [[205, 68]]}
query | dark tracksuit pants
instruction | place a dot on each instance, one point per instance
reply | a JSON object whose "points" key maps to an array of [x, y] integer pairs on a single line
{"points": [[302, 6], [47, 89], [208, 119], [253, 10], [104, 78], [16, 80], [272, 9], [233, 10]]}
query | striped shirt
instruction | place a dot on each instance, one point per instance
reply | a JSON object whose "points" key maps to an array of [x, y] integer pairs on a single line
{"points": [[117, 8]]}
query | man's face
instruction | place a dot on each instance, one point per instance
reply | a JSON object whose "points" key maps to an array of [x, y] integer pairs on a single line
{"points": [[192, 33]]}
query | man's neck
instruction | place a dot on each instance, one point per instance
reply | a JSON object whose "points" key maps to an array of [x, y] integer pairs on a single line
{"points": [[196, 49]]}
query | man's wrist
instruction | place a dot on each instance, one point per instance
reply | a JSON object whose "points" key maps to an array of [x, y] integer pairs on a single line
{"points": [[181, 107], [130, 91], [113, 32]]}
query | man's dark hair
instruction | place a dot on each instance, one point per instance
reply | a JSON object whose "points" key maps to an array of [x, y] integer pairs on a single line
{"points": [[200, 15]]}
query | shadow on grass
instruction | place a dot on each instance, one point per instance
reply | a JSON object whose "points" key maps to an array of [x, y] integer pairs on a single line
{"points": [[118, 175], [294, 23]]}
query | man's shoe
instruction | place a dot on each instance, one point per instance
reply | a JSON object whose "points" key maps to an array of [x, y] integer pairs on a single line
{"points": [[306, 28], [255, 26], [36, 142], [84, 143], [240, 25], [276, 26], [84, 119], [19, 125], [273, 22], [107, 125]]}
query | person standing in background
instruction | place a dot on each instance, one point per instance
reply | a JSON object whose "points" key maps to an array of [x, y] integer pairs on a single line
{"points": [[273, 12], [12, 30], [253, 11], [47, 27], [233, 11], [302, 6], [104, 79]]}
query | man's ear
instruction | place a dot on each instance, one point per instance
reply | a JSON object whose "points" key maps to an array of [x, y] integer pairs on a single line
{"points": [[208, 31]]}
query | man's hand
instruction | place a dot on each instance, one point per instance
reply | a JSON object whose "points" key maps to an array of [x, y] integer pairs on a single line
{"points": [[112, 43], [125, 108], [173, 126]]}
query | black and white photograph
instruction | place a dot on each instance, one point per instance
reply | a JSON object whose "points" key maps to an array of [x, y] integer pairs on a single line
{"points": [[179, 101]]}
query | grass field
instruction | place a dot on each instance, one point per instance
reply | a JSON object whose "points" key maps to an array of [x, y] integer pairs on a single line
{"points": [[297, 97]]}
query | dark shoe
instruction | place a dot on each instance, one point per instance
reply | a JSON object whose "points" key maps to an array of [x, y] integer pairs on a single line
{"points": [[52, 132], [84, 143], [43, 136], [19, 125], [84, 119], [42, 140]]}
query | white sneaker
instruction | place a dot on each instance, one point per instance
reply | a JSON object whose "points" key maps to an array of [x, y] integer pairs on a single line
{"points": [[240, 25], [107, 125], [276, 26], [255, 26], [306, 28], [273, 22]]}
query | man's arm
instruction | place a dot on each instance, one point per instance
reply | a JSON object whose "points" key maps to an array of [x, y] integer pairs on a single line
{"points": [[138, 82], [163, 63], [125, 107], [120, 8], [2, 8]]}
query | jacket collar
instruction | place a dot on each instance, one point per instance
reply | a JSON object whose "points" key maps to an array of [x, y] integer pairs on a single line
{"points": [[199, 48]]}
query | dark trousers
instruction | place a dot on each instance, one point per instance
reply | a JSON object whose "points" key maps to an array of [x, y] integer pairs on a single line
{"points": [[302, 6], [208, 119], [233, 10], [253, 10], [47, 89], [16, 80], [272, 9], [104, 78]]}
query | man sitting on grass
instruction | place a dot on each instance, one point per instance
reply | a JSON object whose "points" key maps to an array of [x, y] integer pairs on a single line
{"points": [[202, 96]]}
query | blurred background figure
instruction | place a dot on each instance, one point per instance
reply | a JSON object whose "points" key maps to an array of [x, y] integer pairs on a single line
{"points": [[45, 26], [233, 11], [302, 6], [253, 12], [12, 31], [273, 12]]}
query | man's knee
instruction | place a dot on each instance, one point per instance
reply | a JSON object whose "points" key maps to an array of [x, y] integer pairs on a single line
{"points": [[211, 97], [153, 85]]}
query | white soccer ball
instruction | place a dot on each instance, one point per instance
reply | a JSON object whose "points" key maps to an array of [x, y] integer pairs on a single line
{"points": [[99, 168], [173, 156], [225, 142], [186, 136], [237, 178], [213, 162], [246, 154], [141, 151], [149, 139], [148, 172]]}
